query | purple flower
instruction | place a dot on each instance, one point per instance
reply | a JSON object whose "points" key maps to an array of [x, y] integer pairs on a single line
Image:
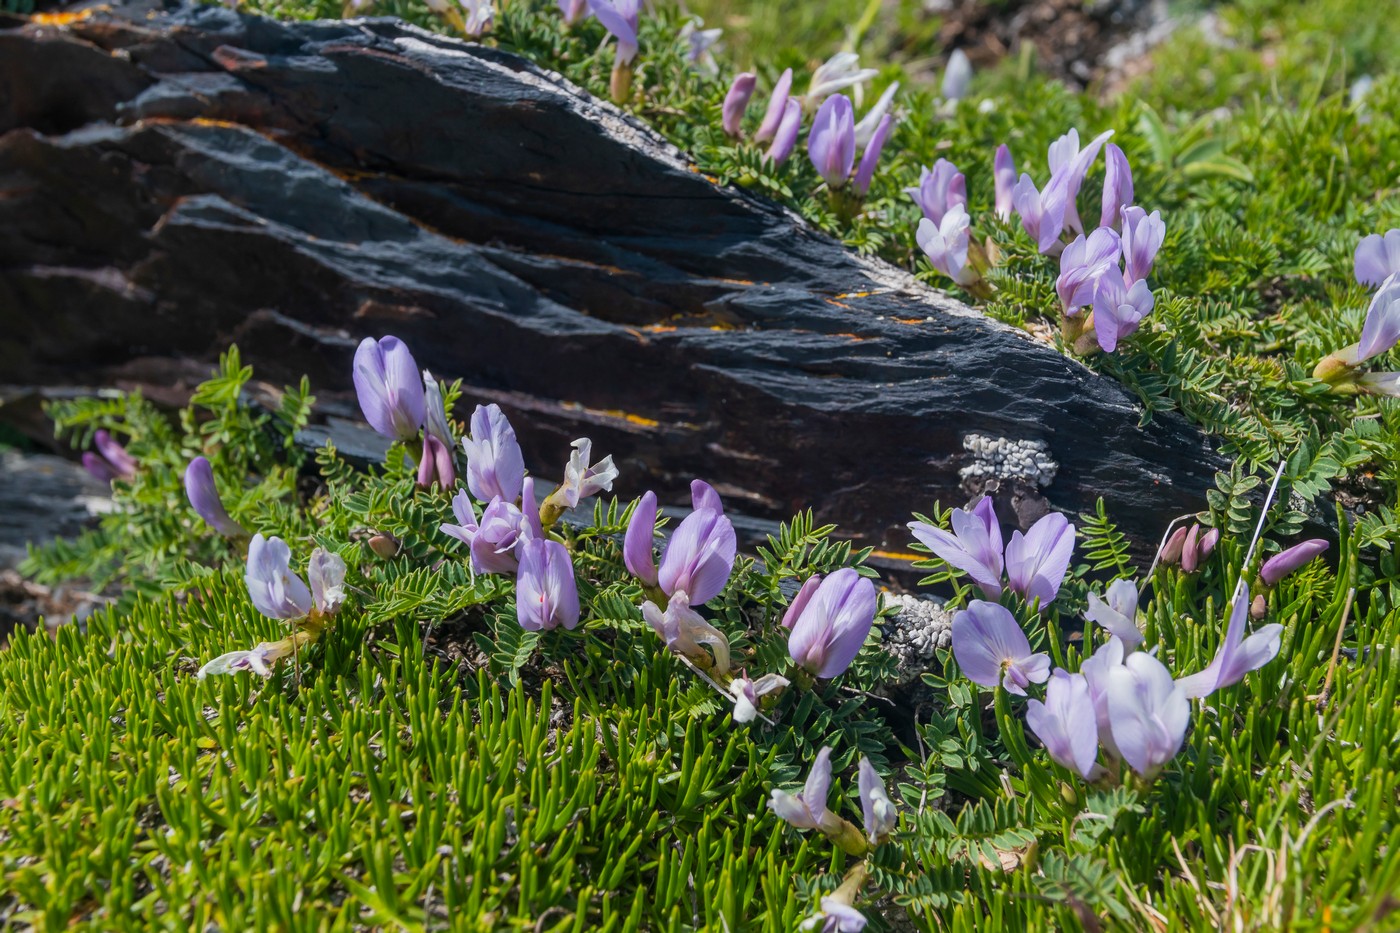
{"points": [[436, 464], [956, 76], [876, 808], [867, 126], [122, 463], [98, 468], [1004, 176], [974, 547], [799, 602], [204, 499], [991, 649], [1237, 655], [573, 10], [703, 496], [1118, 309], [1377, 257], [619, 17], [946, 244], [326, 573], [1190, 549], [1068, 166], [1147, 712], [1117, 187], [940, 189], [275, 591], [1042, 213], [1171, 551], [1065, 723], [1284, 563], [495, 465], [1207, 543], [481, 16], [1143, 234], [1095, 670], [389, 387], [736, 102], [871, 156], [1083, 264], [493, 541], [684, 630], [786, 139], [1036, 563], [1380, 384], [435, 412], [835, 917], [546, 595], [833, 624], [777, 108], [1116, 611], [807, 809], [837, 73], [832, 143], [636, 544], [747, 692], [1382, 328], [699, 557], [701, 42]]}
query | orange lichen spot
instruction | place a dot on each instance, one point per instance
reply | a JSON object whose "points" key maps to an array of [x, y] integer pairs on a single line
{"points": [[908, 320], [660, 328], [833, 301], [63, 19], [856, 295], [898, 555]]}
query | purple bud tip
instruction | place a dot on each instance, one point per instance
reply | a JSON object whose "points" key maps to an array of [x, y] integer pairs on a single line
{"points": [[123, 463], [737, 101], [1281, 565], [204, 499], [871, 157], [786, 138]]}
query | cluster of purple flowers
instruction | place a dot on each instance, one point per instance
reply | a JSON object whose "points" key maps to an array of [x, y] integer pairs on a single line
{"points": [[1377, 262], [835, 136]]}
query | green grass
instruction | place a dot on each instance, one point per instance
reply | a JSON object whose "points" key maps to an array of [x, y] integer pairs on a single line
{"points": [[426, 765]]}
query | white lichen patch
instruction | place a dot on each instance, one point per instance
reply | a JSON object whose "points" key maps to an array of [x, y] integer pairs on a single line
{"points": [[1001, 458], [918, 628]]}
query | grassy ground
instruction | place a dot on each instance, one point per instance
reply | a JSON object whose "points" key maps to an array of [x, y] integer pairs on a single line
{"points": [[429, 766]]}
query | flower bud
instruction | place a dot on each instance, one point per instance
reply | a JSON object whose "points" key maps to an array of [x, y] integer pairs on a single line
{"points": [[832, 143], [385, 545], [736, 102], [389, 387], [204, 498], [1281, 565], [777, 108], [785, 140]]}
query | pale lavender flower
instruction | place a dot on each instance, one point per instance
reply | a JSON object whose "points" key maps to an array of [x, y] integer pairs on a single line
{"points": [[495, 465], [991, 649], [877, 810], [275, 591], [389, 387], [259, 659], [940, 189], [1065, 723], [835, 917], [582, 478], [699, 557], [831, 145], [1237, 656], [684, 630], [946, 244], [974, 547], [837, 73], [1118, 309], [870, 158], [799, 601], [1117, 187], [1042, 213], [1036, 563], [204, 499], [573, 10], [1377, 257], [1382, 328], [326, 574], [494, 539], [833, 625], [481, 16], [1284, 563], [747, 692], [98, 468], [619, 18], [1004, 177], [1116, 611], [436, 464], [777, 108], [875, 116], [702, 42], [704, 496], [1095, 670], [1082, 264], [1068, 166], [435, 412], [736, 102], [636, 544], [1143, 234], [786, 139], [807, 809], [1380, 384], [1147, 712], [546, 594], [123, 464], [957, 76]]}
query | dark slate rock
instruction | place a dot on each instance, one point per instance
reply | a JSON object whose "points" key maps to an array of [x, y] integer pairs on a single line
{"points": [[196, 177]]}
